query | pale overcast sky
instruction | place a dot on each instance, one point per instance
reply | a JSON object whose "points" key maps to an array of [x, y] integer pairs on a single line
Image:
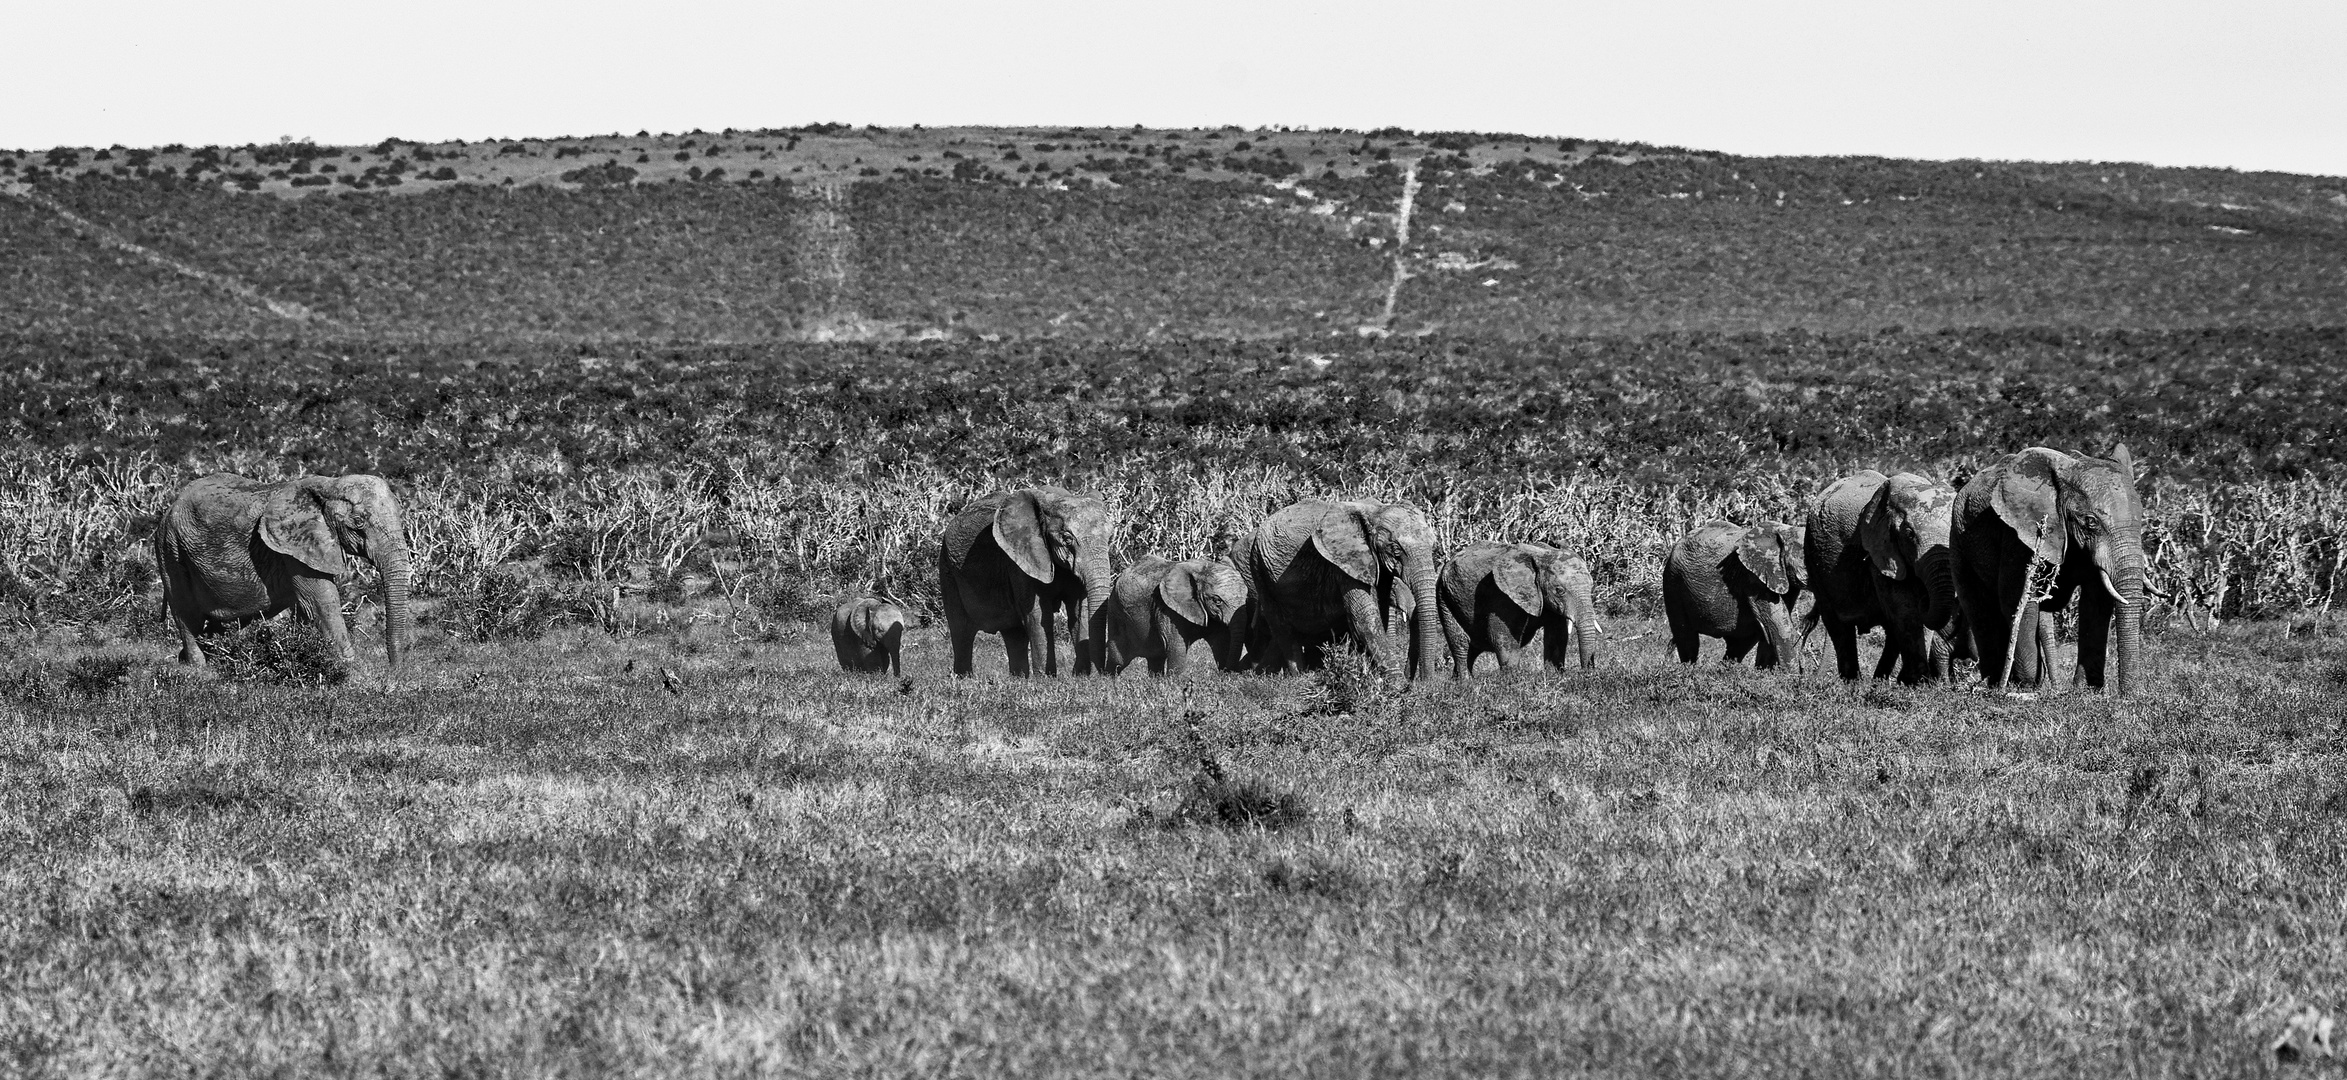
{"points": [[2253, 84]]}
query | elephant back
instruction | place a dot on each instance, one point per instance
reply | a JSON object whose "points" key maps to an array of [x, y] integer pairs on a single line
{"points": [[975, 521], [1136, 588]]}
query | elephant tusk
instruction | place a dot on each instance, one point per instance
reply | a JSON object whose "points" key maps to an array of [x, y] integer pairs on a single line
{"points": [[2111, 586]]}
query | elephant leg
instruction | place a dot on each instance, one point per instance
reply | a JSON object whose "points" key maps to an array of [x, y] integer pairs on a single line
{"points": [[896, 665], [1115, 660], [1684, 639], [191, 650], [321, 603], [1046, 624], [2045, 649], [1502, 639], [1738, 646], [1906, 642], [1887, 664], [2094, 636], [1845, 641], [1368, 620], [958, 627]]}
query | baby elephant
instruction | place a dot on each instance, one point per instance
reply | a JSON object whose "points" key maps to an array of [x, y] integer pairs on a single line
{"points": [[869, 634], [1724, 580], [1495, 595], [1158, 609]]}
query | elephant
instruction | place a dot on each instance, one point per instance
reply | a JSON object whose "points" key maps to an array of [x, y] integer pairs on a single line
{"points": [[1009, 562], [1876, 549], [1322, 570], [1739, 584], [232, 550], [1493, 596], [868, 634], [2029, 530], [1157, 609]]}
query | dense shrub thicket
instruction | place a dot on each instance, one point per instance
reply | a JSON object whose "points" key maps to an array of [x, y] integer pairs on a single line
{"points": [[778, 473], [1693, 242]]}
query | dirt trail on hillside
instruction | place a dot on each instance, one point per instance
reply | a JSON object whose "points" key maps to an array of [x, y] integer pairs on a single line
{"points": [[108, 238]]}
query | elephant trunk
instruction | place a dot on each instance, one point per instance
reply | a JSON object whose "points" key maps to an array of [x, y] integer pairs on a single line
{"points": [[2130, 621], [1088, 641], [1426, 642], [1776, 627], [1939, 589], [1584, 616], [398, 622]]}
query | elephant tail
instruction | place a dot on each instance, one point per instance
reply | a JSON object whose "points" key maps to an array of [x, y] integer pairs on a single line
{"points": [[1809, 622]]}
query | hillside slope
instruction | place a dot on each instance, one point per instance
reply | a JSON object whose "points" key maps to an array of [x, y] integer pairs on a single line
{"points": [[826, 232]]}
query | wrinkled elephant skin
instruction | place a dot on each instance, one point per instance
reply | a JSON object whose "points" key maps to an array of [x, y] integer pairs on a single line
{"points": [[232, 550], [1157, 609], [2033, 529], [868, 635], [1328, 571], [1495, 596], [1010, 563], [1878, 555], [1738, 584]]}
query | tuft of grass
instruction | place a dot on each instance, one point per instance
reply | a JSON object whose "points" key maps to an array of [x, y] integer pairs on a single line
{"points": [[97, 675], [270, 651], [1216, 798]]}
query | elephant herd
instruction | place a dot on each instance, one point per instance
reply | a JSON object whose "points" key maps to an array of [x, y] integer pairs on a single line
{"points": [[1944, 574]]}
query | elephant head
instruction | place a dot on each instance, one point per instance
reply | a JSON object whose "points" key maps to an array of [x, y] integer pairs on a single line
{"points": [[318, 520], [1770, 554], [1212, 595], [1555, 584], [1904, 529], [2083, 516]]}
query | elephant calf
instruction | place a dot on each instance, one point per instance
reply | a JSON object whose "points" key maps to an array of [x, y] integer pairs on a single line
{"points": [[1158, 609], [1739, 584], [869, 635], [1494, 596]]}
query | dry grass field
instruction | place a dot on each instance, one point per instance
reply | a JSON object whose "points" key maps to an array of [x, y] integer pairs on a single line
{"points": [[535, 860], [652, 401]]}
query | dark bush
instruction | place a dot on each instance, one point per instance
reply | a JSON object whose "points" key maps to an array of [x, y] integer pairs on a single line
{"points": [[511, 604], [274, 651], [97, 675], [1218, 799], [602, 175]]}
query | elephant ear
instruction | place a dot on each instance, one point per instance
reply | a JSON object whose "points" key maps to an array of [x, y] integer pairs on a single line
{"points": [[2125, 459], [1876, 523], [1519, 577], [1019, 532], [1179, 591], [1763, 553], [2027, 498], [1343, 539], [293, 524]]}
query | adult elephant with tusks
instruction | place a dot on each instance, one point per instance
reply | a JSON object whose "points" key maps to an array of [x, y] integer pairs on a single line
{"points": [[1877, 552], [1012, 561], [1365, 569], [2030, 530], [1738, 584], [232, 550]]}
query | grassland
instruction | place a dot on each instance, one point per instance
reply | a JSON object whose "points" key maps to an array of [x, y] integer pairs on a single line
{"points": [[530, 860], [647, 415]]}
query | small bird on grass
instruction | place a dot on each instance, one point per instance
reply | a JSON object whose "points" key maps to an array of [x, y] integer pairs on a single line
{"points": [[670, 679], [630, 668]]}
